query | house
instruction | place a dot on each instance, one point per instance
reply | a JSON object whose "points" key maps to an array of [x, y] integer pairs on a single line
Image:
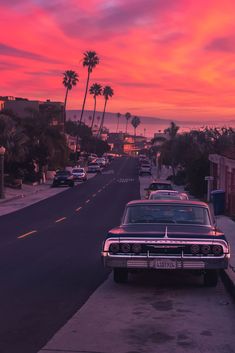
{"points": [[222, 169], [23, 107]]}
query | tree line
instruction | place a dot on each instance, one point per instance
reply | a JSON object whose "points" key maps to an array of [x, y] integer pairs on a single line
{"points": [[187, 154]]}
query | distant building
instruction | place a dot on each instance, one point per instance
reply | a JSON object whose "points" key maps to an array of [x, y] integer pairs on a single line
{"points": [[134, 144], [222, 169], [115, 141], [23, 107]]}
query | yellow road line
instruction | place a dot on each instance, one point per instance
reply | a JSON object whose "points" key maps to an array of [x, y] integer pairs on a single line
{"points": [[27, 234], [60, 219], [99, 190], [78, 209], [88, 200], [94, 195]]}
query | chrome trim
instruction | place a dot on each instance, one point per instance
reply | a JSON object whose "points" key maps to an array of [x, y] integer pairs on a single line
{"points": [[176, 241]]}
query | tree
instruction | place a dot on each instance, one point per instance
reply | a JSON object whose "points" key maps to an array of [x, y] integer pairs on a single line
{"points": [[135, 122], [69, 81], [107, 93], [90, 60], [127, 116], [118, 117], [172, 130], [95, 90]]}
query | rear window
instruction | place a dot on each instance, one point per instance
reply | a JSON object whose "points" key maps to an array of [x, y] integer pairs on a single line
{"points": [[78, 170], [65, 172], [160, 186], [179, 214]]}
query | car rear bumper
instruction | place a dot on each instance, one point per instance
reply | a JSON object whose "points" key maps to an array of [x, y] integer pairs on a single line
{"points": [[168, 263]]}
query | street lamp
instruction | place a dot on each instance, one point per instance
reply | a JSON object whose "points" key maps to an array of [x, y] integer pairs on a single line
{"points": [[2, 152]]}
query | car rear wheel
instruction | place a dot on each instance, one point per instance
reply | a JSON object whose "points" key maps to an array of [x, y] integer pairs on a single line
{"points": [[120, 275], [210, 278]]}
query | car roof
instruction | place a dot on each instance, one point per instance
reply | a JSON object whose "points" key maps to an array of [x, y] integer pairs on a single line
{"points": [[168, 192], [159, 181], [167, 202]]}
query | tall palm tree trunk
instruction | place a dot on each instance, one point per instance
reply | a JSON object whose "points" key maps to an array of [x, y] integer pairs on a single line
{"points": [[64, 112], [93, 117], [84, 100], [126, 125], [118, 123], [102, 120]]}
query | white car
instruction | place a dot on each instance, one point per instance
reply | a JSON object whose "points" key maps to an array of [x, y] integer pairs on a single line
{"points": [[168, 195], [101, 161], [145, 169], [93, 167], [79, 174]]}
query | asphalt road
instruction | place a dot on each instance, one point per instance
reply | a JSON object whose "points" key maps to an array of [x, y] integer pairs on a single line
{"points": [[50, 255]]}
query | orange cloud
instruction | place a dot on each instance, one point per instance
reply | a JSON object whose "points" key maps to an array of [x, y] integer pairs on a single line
{"points": [[163, 57]]}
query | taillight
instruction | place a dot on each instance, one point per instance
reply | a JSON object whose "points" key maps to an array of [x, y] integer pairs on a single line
{"points": [[114, 248], [217, 250], [136, 248], [125, 247], [195, 249], [205, 249]]}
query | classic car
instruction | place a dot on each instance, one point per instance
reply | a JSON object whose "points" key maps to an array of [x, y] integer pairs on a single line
{"points": [[169, 235]]}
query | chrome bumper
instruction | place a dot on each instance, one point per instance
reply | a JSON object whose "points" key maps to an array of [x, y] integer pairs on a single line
{"points": [[180, 263]]}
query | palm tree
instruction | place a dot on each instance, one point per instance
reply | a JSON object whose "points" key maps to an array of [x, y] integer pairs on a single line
{"points": [[172, 130], [69, 81], [107, 93], [118, 117], [96, 90], [90, 60], [128, 116], [135, 123]]}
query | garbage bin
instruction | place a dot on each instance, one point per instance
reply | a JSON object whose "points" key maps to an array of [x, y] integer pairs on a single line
{"points": [[218, 201]]}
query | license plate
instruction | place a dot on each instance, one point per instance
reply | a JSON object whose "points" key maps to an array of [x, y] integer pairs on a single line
{"points": [[165, 264], [62, 181]]}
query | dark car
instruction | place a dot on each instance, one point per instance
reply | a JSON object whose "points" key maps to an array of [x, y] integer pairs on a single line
{"points": [[158, 185], [169, 235], [63, 177]]}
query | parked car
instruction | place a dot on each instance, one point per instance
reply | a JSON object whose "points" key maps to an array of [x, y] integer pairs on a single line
{"points": [[145, 169], [170, 235], [101, 161], [63, 177], [92, 157], [93, 167], [168, 195], [79, 174], [158, 185]]}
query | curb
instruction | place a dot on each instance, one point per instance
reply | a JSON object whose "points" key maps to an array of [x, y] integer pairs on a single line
{"points": [[12, 198], [229, 283]]}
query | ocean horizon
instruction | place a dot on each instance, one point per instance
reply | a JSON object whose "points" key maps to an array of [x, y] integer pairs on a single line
{"points": [[148, 125]]}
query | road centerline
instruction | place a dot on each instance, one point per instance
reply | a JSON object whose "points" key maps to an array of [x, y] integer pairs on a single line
{"points": [[27, 234], [60, 219]]}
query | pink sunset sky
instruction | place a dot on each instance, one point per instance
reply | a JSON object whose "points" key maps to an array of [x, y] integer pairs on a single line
{"points": [[163, 58]]}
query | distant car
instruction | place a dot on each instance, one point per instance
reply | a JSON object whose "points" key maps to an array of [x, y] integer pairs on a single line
{"points": [[79, 174], [92, 157], [145, 169], [158, 185], [93, 167], [63, 177], [167, 195], [172, 235], [101, 161]]}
